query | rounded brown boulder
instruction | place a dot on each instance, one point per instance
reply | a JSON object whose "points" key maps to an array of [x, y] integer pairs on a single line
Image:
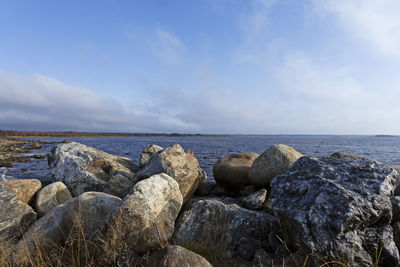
{"points": [[232, 171]]}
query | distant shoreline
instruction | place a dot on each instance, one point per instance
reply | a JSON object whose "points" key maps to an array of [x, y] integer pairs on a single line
{"points": [[51, 134]]}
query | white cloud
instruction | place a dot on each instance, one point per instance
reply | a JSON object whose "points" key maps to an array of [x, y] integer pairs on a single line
{"points": [[376, 22], [167, 46]]}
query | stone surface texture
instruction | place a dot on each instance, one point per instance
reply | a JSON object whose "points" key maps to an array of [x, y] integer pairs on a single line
{"points": [[25, 189], [180, 165], [219, 228], [146, 218], [338, 205], [82, 168], [255, 200], [51, 196], [15, 216], [232, 171], [81, 215], [272, 162], [176, 256], [147, 152]]}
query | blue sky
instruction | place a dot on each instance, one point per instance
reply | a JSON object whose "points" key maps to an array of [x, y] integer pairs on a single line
{"points": [[204, 66]]}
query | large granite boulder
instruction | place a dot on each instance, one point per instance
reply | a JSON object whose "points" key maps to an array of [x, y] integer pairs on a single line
{"points": [[176, 256], [146, 218], [338, 206], [220, 229], [15, 216], [232, 171], [272, 162], [180, 165], [51, 196], [24, 189], [83, 168], [147, 152], [72, 221]]}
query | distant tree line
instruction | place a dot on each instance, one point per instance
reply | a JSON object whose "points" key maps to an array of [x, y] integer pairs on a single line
{"points": [[10, 133]]}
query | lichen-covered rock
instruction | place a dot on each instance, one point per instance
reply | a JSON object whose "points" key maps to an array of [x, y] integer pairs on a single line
{"points": [[15, 216], [24, 189], [180, 165], [81, 215], [272, 162], [51, 196], [255, 200], [146, 218], [338, 205], [176, 256], [147, 152], [82, 168], [233, 171], [216, 227]]}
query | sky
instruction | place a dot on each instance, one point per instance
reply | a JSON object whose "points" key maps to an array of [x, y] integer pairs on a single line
{"points": [[201, 66]]}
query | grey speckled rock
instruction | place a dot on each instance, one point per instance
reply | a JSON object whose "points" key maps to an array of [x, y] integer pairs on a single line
{"points": [[272, 162], [180, 165], [89, 210], [232, 171], [146, 218], [82, 168], [255, 200], [51, 196], [338, 205], [147, 152], [216, 228], [178, 257], [15, 216]]}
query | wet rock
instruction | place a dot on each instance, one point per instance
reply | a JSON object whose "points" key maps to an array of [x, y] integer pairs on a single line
{"points": [[147, 152], [51, 196], [15, 216], [219, 228], [180, 165], [79, 216], [25, 189], [255, 200], [272, 162], [338, 205], [82, 168], [232, 171], [177, 256], [146, 218]]}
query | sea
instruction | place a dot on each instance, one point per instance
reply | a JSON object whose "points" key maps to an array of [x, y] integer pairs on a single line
{"points": [[209, 149]]}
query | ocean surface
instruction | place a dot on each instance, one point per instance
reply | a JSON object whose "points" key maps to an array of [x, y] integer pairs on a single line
{"points": [[209, 149]]}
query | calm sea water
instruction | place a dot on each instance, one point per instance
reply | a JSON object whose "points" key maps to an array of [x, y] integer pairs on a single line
{"points": [[209, 149]]}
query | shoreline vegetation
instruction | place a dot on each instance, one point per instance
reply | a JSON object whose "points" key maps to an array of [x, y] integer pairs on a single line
{"points": [[50, 134]]}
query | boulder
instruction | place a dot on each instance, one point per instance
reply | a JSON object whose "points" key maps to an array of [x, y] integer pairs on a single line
{"points": [[147, 152], [15, 216], [338, 205], [178, 257], [274, 161], [220, 229], [24, 189], [75, 219], [180, 165], [146, 218], [51, 196], [255, 200], [205, 188], [83, 168], [232, 171]]}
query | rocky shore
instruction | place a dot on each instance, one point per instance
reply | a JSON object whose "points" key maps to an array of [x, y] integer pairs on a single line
{"points": [[279, 208], [14, 150]]}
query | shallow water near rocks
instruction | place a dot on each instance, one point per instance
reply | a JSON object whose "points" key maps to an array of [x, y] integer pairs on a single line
{"points": [[209, 149]]}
